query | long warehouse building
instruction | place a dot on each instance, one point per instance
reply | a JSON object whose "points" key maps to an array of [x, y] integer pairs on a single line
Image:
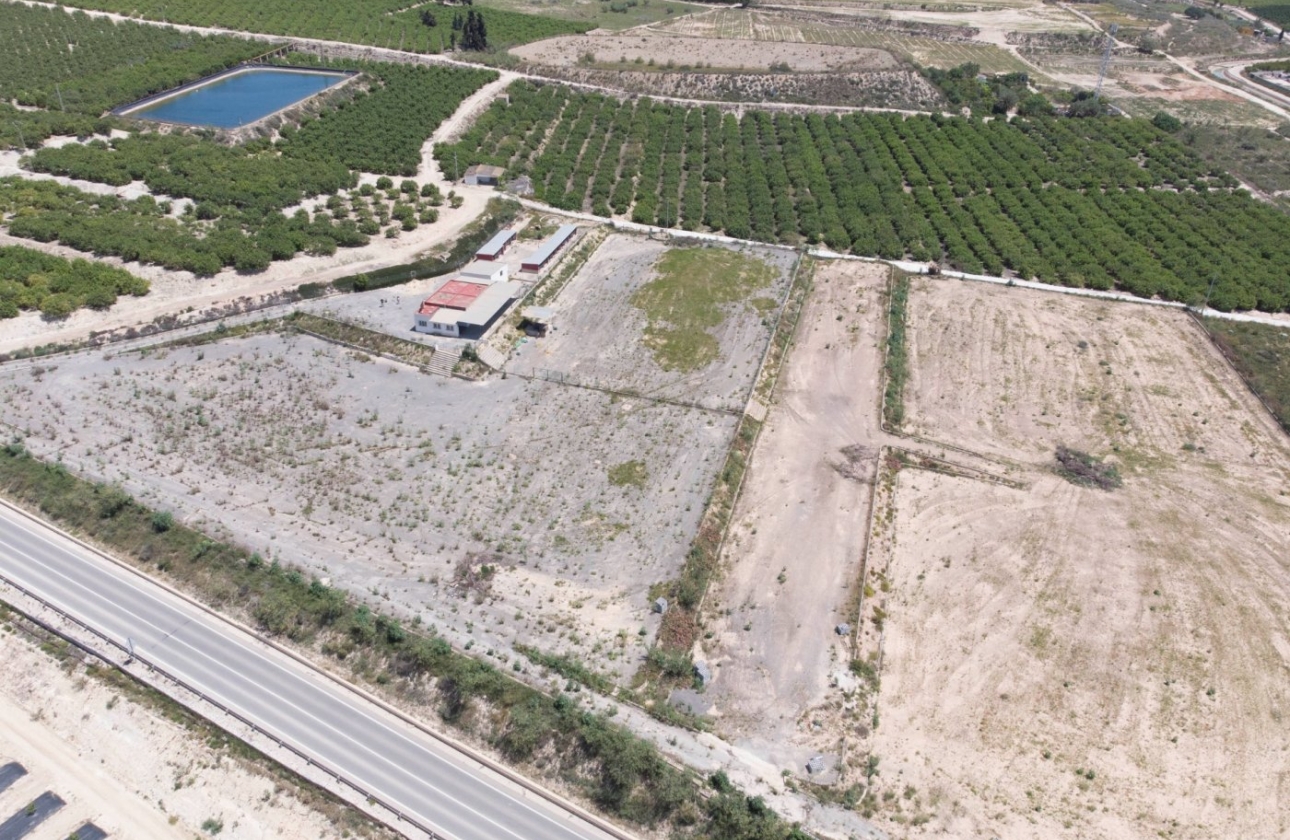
{"points": [[538, 260]]}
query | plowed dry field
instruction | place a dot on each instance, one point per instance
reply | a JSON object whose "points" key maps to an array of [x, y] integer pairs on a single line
{"points": [[1061, 661]]}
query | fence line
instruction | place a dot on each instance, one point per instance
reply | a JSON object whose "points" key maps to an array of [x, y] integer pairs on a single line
{"points": [[560, 378]]}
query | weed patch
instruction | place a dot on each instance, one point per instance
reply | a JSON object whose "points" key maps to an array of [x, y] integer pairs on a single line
{"points": [[690, 296], [1261, 354], [411, 352], [1085, 470], [896, 367], [628, 474]]}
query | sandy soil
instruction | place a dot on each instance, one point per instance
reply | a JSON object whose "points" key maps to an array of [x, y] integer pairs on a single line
{"points": [[798, 532], [1068, 662], [125, 767], [994, 24], [1127, 77], [1127, 388], [386, 480], [595, 310], [730, 54]]}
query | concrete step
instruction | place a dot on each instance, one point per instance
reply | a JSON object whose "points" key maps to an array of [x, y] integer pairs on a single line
{"points": [[493, 358], [443, 361]]}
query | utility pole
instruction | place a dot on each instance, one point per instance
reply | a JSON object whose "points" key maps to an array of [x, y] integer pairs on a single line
{"points": [[1213, 278], [1106, 60]]}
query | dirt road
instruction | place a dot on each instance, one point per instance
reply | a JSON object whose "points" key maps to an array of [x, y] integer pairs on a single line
{"points": [[800, 525]]}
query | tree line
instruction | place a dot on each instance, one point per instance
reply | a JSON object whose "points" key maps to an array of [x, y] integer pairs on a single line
{"points": [[1097, 202], [380, 23], [239, 192], [56, 286]]}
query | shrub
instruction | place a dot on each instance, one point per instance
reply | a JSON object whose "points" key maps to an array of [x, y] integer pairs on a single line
{"points": [[57, 306], [1083, 469], [1166, 122]]}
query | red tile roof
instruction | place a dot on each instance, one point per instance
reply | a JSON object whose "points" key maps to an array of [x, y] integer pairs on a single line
{"points": [[455, 294]]}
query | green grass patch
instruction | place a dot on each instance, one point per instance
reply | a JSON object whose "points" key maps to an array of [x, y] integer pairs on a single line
{"points": [[1257, 156], [896, 368], [628, 474], [692, 294], [1261, 354], [567, 667]]}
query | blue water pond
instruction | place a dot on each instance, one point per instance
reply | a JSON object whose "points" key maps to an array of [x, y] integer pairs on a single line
{"points": [[239, 98]]}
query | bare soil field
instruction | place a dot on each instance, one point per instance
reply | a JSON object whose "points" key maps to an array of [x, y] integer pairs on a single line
{"points": [[398, 485], [645, 47], [1143, 86], [961, 39], [596, 310], [1200, 105], [124, 766], [992, 23], [900, 89], [1062, 661], [1102, 377], [793, 556]]}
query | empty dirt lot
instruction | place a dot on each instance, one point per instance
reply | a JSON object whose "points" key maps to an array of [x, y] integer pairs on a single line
{"points": [[798, 531], [1068, 662], [569, 50], [399, 485], [601, 332]]}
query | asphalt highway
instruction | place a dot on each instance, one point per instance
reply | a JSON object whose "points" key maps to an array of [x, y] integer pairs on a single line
{"points": [[339, 729]]}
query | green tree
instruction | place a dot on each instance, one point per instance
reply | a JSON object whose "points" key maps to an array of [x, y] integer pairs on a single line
{"points": [[1166, 122], [56, 307]]}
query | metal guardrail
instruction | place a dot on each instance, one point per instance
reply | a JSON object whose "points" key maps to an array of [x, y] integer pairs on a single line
{"points": [[371, 798]]}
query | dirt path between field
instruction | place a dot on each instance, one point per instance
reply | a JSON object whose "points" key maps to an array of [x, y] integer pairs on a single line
{"points": [[801, 523]]}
